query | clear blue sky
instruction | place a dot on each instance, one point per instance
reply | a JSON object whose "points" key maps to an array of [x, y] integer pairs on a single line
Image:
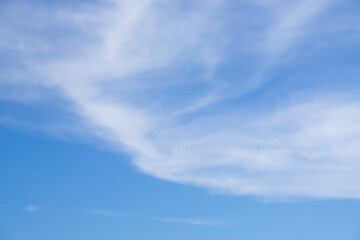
{"points": [[157, 120]]}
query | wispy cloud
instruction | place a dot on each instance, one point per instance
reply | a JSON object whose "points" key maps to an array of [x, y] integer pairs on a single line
{"points": [[137, 74], [291, 20], [307, 149], [103, 213], [201, 222], [31, 208]]}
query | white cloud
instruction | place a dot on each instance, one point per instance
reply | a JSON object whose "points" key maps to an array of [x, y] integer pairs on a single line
{"points": [[122, 66], [309, 149]]}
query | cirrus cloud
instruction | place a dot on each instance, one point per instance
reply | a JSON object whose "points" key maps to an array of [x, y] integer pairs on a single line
{"points": [[143, 77]]}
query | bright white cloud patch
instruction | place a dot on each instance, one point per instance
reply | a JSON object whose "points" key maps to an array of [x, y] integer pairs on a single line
{"points": [[141, 74]]}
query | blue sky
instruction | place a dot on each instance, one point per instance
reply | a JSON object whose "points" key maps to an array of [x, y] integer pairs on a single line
{"points": [[155, 119]]}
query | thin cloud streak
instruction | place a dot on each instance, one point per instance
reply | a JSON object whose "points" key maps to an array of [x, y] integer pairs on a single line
{"points": [[290, 24], [199, 222], [103, 213]]}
